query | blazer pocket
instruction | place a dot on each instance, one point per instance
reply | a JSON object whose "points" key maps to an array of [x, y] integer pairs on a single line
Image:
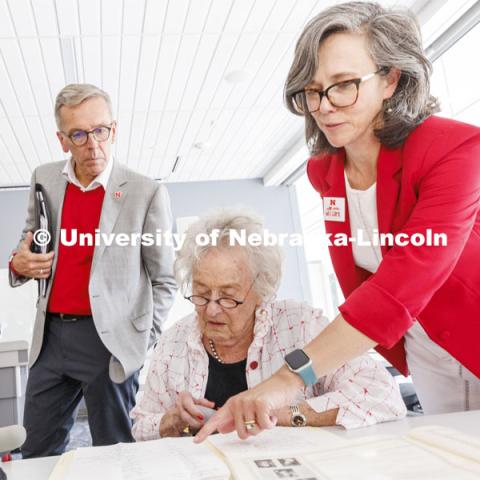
{"points": [[142, 322]]}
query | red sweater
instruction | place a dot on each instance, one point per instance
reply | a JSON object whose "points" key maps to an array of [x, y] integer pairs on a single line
{"points": [[81, 212]]}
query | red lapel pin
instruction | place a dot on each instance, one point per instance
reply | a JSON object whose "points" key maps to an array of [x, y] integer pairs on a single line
{"points": [[117, 195]]}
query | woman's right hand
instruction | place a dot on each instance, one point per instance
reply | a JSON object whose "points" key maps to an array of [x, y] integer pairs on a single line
{"points": [[185, 413], [258, 405]]}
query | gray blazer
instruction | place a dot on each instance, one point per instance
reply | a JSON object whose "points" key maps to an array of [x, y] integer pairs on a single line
{"points": [[131, 288]]}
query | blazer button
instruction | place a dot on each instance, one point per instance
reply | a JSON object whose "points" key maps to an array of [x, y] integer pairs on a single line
{"points": [[254, 365], [445, 335]]}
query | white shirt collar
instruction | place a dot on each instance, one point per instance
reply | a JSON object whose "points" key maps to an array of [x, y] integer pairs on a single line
{"points": [[101, 180]]}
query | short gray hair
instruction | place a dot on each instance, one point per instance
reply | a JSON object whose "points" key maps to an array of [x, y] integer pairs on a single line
{"points": [[76, 93], [265, 261], [394, 40]]}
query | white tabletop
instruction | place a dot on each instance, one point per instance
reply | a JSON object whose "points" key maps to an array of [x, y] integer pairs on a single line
{"points": [[467, 422], [33, 469]]}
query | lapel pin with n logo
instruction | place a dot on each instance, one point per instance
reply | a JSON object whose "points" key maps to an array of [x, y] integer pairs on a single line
{"points": [[117, 195]]}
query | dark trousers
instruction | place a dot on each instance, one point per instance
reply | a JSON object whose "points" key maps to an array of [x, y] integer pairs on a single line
{"points": [[73, 364]]}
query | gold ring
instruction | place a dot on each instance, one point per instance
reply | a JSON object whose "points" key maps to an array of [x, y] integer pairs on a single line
{"points": [[250, 424], [41, 271]]}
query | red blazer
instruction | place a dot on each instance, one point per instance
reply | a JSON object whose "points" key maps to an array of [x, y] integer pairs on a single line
{"points": [[431, 182]]}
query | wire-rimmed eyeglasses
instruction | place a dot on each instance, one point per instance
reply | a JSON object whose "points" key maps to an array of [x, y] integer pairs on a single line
{"points": [[225, 302]]}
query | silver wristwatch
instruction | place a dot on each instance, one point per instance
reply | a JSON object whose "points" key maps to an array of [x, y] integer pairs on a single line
{"points": [[298, 418]]}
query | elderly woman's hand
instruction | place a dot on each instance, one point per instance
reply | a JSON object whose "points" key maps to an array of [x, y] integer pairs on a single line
{"points": [[185, 413], [258, 404]]}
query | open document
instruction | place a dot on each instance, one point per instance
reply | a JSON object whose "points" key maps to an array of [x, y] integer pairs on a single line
{"points": [[425, 453], [301, 453], [170, 458]]}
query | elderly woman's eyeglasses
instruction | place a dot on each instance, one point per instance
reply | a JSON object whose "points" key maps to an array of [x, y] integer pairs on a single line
{"points": [[340, 95], [80, 137], [224, 302]]}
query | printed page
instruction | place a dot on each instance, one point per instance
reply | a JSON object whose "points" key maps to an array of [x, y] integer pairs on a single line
{"points": [[392, 459], [177, 458], [95, 462], [279, 440], [272, 467], [282, 456]]}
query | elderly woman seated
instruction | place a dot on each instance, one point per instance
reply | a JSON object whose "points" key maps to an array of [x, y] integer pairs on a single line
{"points": [[238, 337]]}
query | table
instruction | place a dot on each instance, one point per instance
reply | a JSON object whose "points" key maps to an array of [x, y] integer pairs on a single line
{"points": [[32, 469], [466, 422]]}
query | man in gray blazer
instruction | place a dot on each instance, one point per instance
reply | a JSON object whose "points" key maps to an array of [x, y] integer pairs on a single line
{"points": [[105, 302]]}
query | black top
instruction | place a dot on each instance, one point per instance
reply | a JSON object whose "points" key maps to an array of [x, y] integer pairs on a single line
{"points": [[225, 380]]}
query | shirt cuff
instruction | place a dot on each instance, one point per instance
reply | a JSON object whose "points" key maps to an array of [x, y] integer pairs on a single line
{"points": [[147, 427], [350, 415], [10, 265]]}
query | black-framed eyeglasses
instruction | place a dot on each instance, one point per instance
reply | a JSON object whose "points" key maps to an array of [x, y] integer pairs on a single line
{"points": [[340, 95], [80, 137], [224, 302]]}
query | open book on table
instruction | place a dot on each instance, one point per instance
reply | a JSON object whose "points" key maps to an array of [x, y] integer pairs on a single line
{"points": [[300, 453]]}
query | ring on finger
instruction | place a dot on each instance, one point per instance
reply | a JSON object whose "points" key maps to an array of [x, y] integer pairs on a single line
{"points": [[250, 424], [41, 271]]}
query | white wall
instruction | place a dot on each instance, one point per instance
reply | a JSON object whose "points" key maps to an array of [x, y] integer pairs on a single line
{"points": [[17, 309], [276, 204]]}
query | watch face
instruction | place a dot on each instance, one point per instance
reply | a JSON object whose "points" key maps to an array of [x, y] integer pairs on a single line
{"points": [[298, 420], [297, 359]]}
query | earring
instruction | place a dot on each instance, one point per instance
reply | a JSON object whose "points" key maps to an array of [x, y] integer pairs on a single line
{"points": [[386, 108]]}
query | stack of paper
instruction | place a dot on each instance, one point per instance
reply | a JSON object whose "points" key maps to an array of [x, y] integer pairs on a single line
{"points": [[301, 453]]}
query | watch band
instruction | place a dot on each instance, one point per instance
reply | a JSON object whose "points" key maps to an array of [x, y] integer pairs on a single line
{"points": [[308, 375]]}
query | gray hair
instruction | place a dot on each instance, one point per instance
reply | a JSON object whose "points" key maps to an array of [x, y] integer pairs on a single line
{"points": [[76, 93], [394, 40], [265, 261]]}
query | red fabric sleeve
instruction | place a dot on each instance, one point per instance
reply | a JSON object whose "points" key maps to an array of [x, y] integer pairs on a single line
{"points": [[385, 305]]}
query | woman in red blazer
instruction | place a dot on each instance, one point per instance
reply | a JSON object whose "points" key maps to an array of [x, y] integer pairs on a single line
{"points": [[383, 163]]}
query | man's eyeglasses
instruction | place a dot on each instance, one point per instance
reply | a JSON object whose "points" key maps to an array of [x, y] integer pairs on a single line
{"points": [[80, 137], [340, 95], [224, 302]]}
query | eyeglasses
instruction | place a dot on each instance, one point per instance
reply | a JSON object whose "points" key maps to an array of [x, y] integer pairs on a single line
{"points": [[224, 302], [80, 137], [340, 95]]}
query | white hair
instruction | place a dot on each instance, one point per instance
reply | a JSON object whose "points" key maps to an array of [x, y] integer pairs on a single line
{"points": [[75, 94], [264, 261]]}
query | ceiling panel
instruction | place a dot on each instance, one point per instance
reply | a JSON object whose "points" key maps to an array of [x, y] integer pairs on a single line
{"points": [[89, 20], [69, 21], [22, 16], [44, 17], [6, 25], [35, 69], [133, 16], [155, 16], [175, 18], [92, 60], [197, 79]]}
